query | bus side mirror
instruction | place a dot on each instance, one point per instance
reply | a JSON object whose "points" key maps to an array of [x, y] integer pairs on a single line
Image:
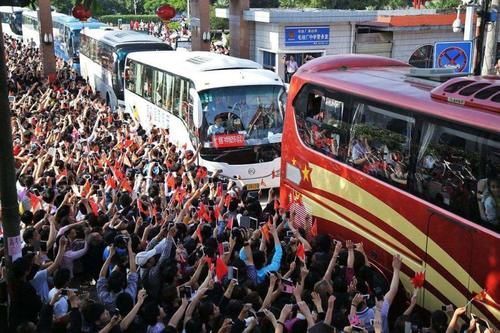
{"points": [[197, 112]]}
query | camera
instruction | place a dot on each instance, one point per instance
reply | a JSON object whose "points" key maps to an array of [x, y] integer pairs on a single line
{"points": [[120, 241]]}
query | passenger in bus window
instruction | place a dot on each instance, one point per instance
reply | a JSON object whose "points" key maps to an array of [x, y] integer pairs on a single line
{"points": [[217, 127], [490, 203], [360, 151]]}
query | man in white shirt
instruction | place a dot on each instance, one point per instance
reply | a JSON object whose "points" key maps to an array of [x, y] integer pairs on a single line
{"points": [[291, 68], [216, 128]]}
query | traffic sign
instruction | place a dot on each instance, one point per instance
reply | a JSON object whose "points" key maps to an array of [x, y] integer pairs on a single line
{"points": [[456, 55]]}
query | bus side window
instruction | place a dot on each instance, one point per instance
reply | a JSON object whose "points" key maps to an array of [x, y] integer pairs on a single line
{"points": [[454, 167], [380, 143], [320, 123]]}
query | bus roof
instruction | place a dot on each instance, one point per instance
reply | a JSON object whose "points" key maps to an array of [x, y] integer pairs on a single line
{"points": [[116, 38], [199, 66], [388, 81], [11, 9]]}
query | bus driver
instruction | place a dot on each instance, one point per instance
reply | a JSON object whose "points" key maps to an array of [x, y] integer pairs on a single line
{"points": [[217, 127]]}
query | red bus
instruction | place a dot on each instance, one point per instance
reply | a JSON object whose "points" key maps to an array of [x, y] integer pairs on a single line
{"points": [[405, 165]]}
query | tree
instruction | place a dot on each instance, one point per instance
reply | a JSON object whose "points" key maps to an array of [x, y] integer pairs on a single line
{"points": [[443, 4]]}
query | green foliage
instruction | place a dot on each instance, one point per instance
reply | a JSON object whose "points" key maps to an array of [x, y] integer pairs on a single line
{"points": [[217, 23], [344, 4], [443, 4], [264, 3]]}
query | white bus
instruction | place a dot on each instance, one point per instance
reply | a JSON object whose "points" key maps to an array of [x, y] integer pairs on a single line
{"points": [[31, 27], [11, 18], [188, 91], [102, 59]]}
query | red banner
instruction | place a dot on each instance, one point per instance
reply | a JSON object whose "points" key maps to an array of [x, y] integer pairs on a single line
{"points": [[228, 140]]}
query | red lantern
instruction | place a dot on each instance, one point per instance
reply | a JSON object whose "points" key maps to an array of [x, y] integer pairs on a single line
{"points": [[80, 12], [165, 12]]}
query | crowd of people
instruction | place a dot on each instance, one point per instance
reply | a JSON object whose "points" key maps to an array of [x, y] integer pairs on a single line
{"points": [[163, 31], [123, 232]]}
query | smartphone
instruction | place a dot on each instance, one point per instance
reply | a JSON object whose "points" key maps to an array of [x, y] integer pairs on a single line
{"points": [[64, 292], [225, 247], [43, 246], [253, 223], [408, 328], [287, 286], [480, 322], [188, 292], [289, 234], [357, 328]]}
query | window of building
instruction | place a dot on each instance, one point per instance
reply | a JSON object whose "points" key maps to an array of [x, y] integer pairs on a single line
{"points": [[269, 60], [423, 57]]}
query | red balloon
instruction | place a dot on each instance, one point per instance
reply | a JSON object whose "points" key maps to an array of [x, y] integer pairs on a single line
{"points": [[80, 12], [165, 12]]}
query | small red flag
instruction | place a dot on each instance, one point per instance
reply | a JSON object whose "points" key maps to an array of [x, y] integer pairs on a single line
{"points": [[314, 228], [126, 186], [94, 207], [86, 189], [276, 205], [418, 280], [36, 202], [220, 269], [219, 190], [230, 221], [217, 212], [227, 200], [265, 232], [481, 296], [208, 260], [202, 211], [301, 253], [111, 182]]}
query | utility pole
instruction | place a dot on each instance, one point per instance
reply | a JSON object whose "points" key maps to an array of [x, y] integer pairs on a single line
{"points": [[480, 30], [8, 192], [490, 49]]}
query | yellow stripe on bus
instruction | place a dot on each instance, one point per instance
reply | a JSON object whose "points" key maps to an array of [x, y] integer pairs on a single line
{"points": [[334, 184]]}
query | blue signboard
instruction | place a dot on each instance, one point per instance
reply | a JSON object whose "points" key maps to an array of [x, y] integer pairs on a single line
{"points": [[306, 36], [456, 55]]}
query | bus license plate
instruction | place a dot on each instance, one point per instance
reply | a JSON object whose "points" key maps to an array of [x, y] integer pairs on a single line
{"points": [[253, 187]]}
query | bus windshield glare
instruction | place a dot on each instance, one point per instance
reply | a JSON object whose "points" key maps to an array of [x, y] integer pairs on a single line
{"points": [[253, 112]]}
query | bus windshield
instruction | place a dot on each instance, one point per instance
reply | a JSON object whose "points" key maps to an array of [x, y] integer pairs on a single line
{"points": [[255, 113]]}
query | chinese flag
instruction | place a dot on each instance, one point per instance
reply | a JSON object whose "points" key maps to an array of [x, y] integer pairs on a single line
{"points": [[94, 207], [217, 212], [208, 260], [86, 189], [219, 190], [481, 296], [314, 228], [202, 211], [227, 200], [128, 143], [220, 269], [276, 205], [418, 280], [301, 253], [126, 186], [36, 202], [265, 232], [111, 182]]}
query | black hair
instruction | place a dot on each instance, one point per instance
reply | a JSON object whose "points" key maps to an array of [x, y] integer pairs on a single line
{"points": [[92, 311], [61, 278], [28, 234], [117, 281], [124, 303], [27, 217], [150, 313]]}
